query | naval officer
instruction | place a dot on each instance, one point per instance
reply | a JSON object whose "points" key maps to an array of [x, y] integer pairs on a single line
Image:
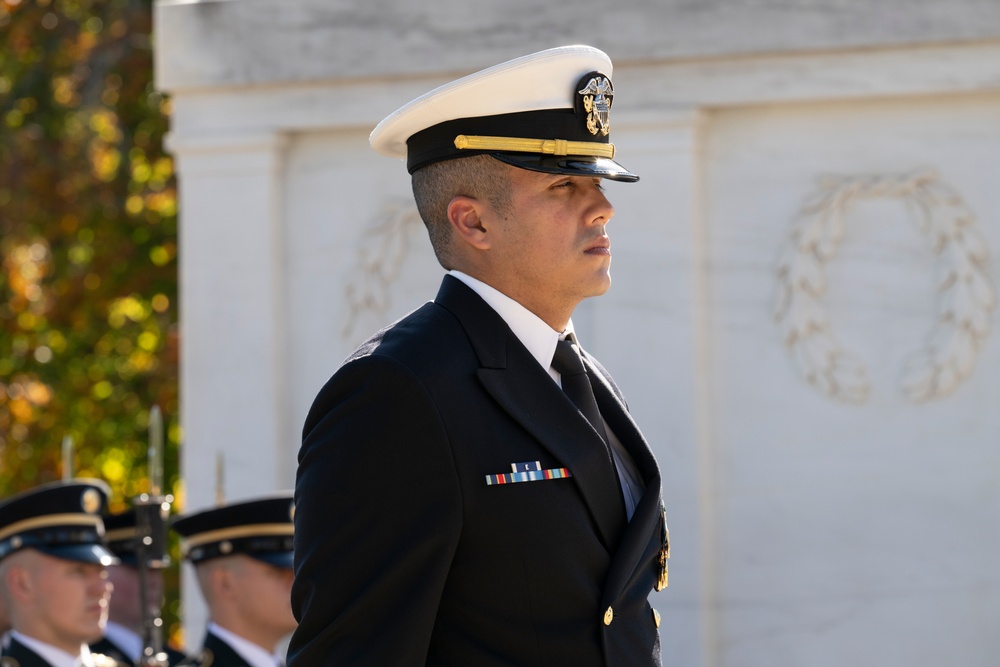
{"points": [[471, 487]]}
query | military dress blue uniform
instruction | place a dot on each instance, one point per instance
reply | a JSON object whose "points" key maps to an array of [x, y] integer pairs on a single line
{"points": [[62, 520], [454, 505]]}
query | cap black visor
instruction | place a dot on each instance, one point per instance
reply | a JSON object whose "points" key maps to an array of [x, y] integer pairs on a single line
{"points": [[82, 553], [573, 166]]}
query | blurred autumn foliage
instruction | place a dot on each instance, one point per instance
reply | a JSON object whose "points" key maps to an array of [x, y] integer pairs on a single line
{"points": [[88, 244]]}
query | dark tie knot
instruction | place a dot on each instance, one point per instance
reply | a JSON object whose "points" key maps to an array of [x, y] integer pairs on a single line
{"points": [[567, 359]]}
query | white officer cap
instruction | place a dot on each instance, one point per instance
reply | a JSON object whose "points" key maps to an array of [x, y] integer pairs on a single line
{"points": [[549, 111]]}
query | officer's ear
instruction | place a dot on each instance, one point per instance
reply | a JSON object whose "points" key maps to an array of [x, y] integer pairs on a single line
{"points": [[18, 581], [465, 214]]}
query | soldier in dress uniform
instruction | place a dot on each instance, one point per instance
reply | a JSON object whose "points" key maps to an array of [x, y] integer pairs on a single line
{"points": [[123, 635], [53, 574], [242, 555]]}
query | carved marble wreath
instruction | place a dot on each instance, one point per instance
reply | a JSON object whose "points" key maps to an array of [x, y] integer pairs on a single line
{"points": [[966, 294]]}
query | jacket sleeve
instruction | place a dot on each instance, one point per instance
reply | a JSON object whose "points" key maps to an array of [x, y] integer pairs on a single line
{"points": [[377, 519]]}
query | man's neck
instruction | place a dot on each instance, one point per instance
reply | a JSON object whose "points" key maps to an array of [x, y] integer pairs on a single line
{"points": [[557, 317]]}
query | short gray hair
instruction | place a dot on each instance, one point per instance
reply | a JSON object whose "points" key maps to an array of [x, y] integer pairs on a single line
{"points": [[434, 186]]}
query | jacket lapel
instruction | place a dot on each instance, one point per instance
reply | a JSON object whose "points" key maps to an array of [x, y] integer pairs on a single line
{"points": [[222, 654], [524, 390], [637, 544]]}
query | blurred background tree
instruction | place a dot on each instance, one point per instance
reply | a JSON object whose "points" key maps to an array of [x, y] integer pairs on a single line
{"points": [[88, 244]]}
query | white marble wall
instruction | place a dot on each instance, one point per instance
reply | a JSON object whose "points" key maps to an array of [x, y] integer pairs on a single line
{"points": [[808, 529], [244, 42], [850, 533]]}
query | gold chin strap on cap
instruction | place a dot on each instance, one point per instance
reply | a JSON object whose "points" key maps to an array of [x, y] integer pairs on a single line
{"points": [[48, 521], [543, 146], [120, 534], [237, 532]]}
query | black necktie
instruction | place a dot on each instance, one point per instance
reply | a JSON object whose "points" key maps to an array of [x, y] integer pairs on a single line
{"points": [[576, 384], [577, 387]]}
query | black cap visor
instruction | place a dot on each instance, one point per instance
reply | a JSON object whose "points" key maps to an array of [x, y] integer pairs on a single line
{"points": [[81, 553], [571, 165]]}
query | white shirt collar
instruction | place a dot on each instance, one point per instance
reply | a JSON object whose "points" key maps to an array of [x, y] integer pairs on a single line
{"points": [[531, 330], [50, 654], [255, 655], [129, 642]]}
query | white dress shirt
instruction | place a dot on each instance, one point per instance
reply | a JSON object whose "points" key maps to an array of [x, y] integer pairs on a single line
{"points": [[256, 656], [540, 339], [129, 642]]}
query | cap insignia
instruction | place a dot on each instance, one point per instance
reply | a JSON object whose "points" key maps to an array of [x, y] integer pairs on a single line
{"points": [[597, 95], [90, 501]]}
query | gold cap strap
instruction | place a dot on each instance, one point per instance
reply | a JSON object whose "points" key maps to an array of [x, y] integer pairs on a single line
{"points": [[237, 532], [544, 146], [121, 534], [50, 520]]}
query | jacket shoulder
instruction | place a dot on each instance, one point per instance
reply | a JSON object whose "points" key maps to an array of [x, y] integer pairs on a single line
{"points": [[416, 331]]}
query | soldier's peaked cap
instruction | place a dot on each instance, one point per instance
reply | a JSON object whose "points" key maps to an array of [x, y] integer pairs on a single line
{"points": [[548, 111], [61, 519], [261, 528]]}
